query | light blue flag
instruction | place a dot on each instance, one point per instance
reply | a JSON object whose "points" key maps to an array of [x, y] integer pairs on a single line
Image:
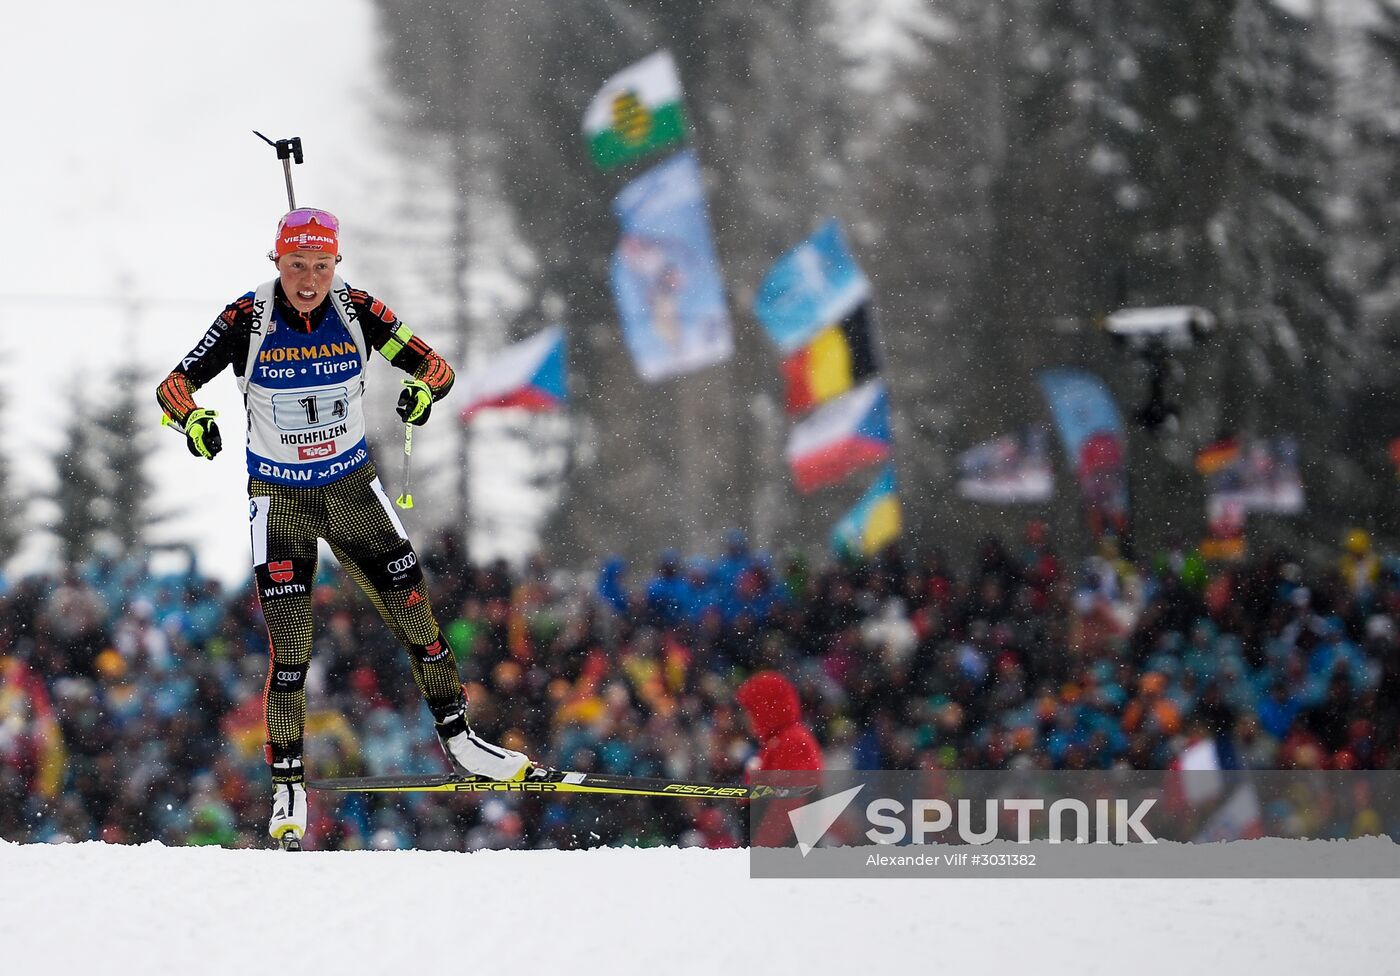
{"points": [[808, 288], [873, 523], [665, 275], [1081, 404], [1095, 444]]}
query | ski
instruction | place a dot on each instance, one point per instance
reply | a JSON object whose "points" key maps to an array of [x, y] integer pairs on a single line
{"points": [[557, 781]]}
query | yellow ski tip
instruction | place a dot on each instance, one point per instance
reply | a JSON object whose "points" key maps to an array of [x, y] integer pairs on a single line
{"points": [[404, 501]]}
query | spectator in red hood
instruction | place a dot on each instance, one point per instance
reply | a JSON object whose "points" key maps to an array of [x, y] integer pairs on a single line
{"points": [[770, 702], [775, 715]]}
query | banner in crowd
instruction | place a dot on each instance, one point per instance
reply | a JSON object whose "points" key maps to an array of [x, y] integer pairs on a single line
{"points": [[839, 358], [1261, 474], [637, 112], [1008, 470], [528, 374], [810, 288], [30, 735], [665, 275], [1196, 783], [873, 523], [1246, 475], [1266, 478], [1241, 817], [1225, 518], [841, 437], [1091, 431]]}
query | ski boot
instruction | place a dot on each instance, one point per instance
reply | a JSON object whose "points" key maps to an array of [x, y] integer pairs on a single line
{"points": [[288, 824], [472, 755]]}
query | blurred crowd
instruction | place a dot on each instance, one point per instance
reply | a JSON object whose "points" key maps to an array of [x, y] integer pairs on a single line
{"points": [[130, 704]]}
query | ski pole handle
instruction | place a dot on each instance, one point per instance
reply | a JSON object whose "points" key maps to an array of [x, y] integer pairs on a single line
{"points": [[405, 500], [289, 151]]}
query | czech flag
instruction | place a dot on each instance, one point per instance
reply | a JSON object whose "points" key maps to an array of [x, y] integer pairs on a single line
{"points": [[839, 358], [845, 435], [873, 523], [528, 374]]}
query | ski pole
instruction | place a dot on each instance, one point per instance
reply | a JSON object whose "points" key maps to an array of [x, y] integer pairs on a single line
{"points": [[405, 500], [289, 151]]}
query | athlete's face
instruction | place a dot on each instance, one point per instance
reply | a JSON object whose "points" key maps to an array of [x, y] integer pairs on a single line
{"points": [[306, 277]]}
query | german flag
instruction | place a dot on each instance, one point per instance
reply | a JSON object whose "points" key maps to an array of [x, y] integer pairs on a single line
{"points": [[1218, 455], [839, 358]]}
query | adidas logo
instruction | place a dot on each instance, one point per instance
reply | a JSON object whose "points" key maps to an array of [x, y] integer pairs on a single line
{"points": [[414, 598]]}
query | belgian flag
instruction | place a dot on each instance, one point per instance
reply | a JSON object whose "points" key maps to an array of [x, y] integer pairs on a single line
{"points": [[839, 358]]}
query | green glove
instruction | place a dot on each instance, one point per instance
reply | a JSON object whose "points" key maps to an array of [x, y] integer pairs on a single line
{"points": [[202, 435], [415, 403]]}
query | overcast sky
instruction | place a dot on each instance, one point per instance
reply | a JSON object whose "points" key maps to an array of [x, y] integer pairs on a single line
{"points": [[131, 168]]}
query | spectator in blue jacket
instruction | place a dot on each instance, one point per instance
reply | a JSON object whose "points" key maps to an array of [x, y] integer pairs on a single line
{"points": [[668, 595], [1278, 711], [612, 585]]}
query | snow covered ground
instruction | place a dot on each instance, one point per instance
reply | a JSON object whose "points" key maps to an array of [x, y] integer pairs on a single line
{"points": [[96, 908]]}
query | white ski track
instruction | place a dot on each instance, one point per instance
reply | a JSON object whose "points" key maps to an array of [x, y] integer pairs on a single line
{"points": [[95, 908]]}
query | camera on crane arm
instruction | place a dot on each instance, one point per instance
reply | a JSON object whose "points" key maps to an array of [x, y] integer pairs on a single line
{"points": [[1177, 327], [1152, 335]]}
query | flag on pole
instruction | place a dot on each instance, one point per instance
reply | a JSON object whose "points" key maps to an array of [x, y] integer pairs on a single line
{"points": [[1255, 475], [637, 112], [840, 437], [1007, 470], [837, 359], [1241, 817], [528, 374], [665, 274], [808, 288], [1095, 444], [1217, 455], [1225, 518], [873, 523]]}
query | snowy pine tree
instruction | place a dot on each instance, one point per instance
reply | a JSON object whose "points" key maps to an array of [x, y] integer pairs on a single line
{"points": [[78, 463], [12, 511], [1275, 235], [1372, 106], [122, 438], [1367, 212]]}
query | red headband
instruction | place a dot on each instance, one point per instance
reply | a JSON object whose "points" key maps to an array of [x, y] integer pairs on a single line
{"points": [[311, 233]]}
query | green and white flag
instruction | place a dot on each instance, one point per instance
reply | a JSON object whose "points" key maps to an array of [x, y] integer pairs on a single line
{"points": [[637, 112]]}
